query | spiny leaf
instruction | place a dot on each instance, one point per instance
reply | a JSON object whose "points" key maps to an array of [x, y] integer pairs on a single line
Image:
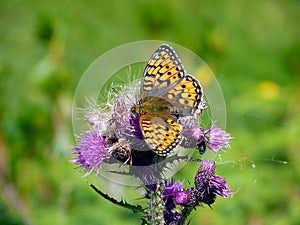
{"points": [[122, 203]]}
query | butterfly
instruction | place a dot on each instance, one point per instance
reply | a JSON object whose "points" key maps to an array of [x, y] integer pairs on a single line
{"points": [[166, 94]]}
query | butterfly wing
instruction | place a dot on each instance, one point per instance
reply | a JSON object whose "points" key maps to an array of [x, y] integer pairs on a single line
{"points": [[161, 135], [163, 71], [186, 96]]}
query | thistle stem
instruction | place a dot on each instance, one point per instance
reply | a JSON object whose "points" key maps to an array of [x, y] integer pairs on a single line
{"points": [[157, 205]]}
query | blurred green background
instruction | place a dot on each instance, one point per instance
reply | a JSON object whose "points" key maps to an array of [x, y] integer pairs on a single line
{"points": [[253, 47]]}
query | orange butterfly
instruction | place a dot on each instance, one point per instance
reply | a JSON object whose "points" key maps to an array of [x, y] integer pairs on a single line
{"points": [[167, 93]]}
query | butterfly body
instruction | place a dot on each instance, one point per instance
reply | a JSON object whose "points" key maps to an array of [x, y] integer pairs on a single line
{"points": [[155, 106], [167, 93]]}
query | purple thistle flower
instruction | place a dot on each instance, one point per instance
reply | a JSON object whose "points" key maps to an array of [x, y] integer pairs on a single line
{"points": [[217, 139], [91, 151], [214, 138], [186, 197], [181, 197], [120, 114], [171, 215], [208, 186], [126, 122], [172, 188], [196, 133], [135, 124], [98, 117]]}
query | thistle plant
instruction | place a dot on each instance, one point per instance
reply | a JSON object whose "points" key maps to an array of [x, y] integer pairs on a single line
{"points": [[147, 135]]}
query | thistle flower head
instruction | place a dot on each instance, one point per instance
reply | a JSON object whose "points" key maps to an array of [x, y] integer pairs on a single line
{"points": [[218, 139], [91, 151], [98, 117], [214, 138], [135, 125], [187, 197], [196, 133], [172, 188], [208, 186], [171, 215], [181, 197], [120, 114]]}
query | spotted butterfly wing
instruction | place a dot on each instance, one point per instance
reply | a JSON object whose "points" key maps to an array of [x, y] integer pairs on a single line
{"points": [[165, 76], [163, 71], [186, 96], [162, 135]]}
